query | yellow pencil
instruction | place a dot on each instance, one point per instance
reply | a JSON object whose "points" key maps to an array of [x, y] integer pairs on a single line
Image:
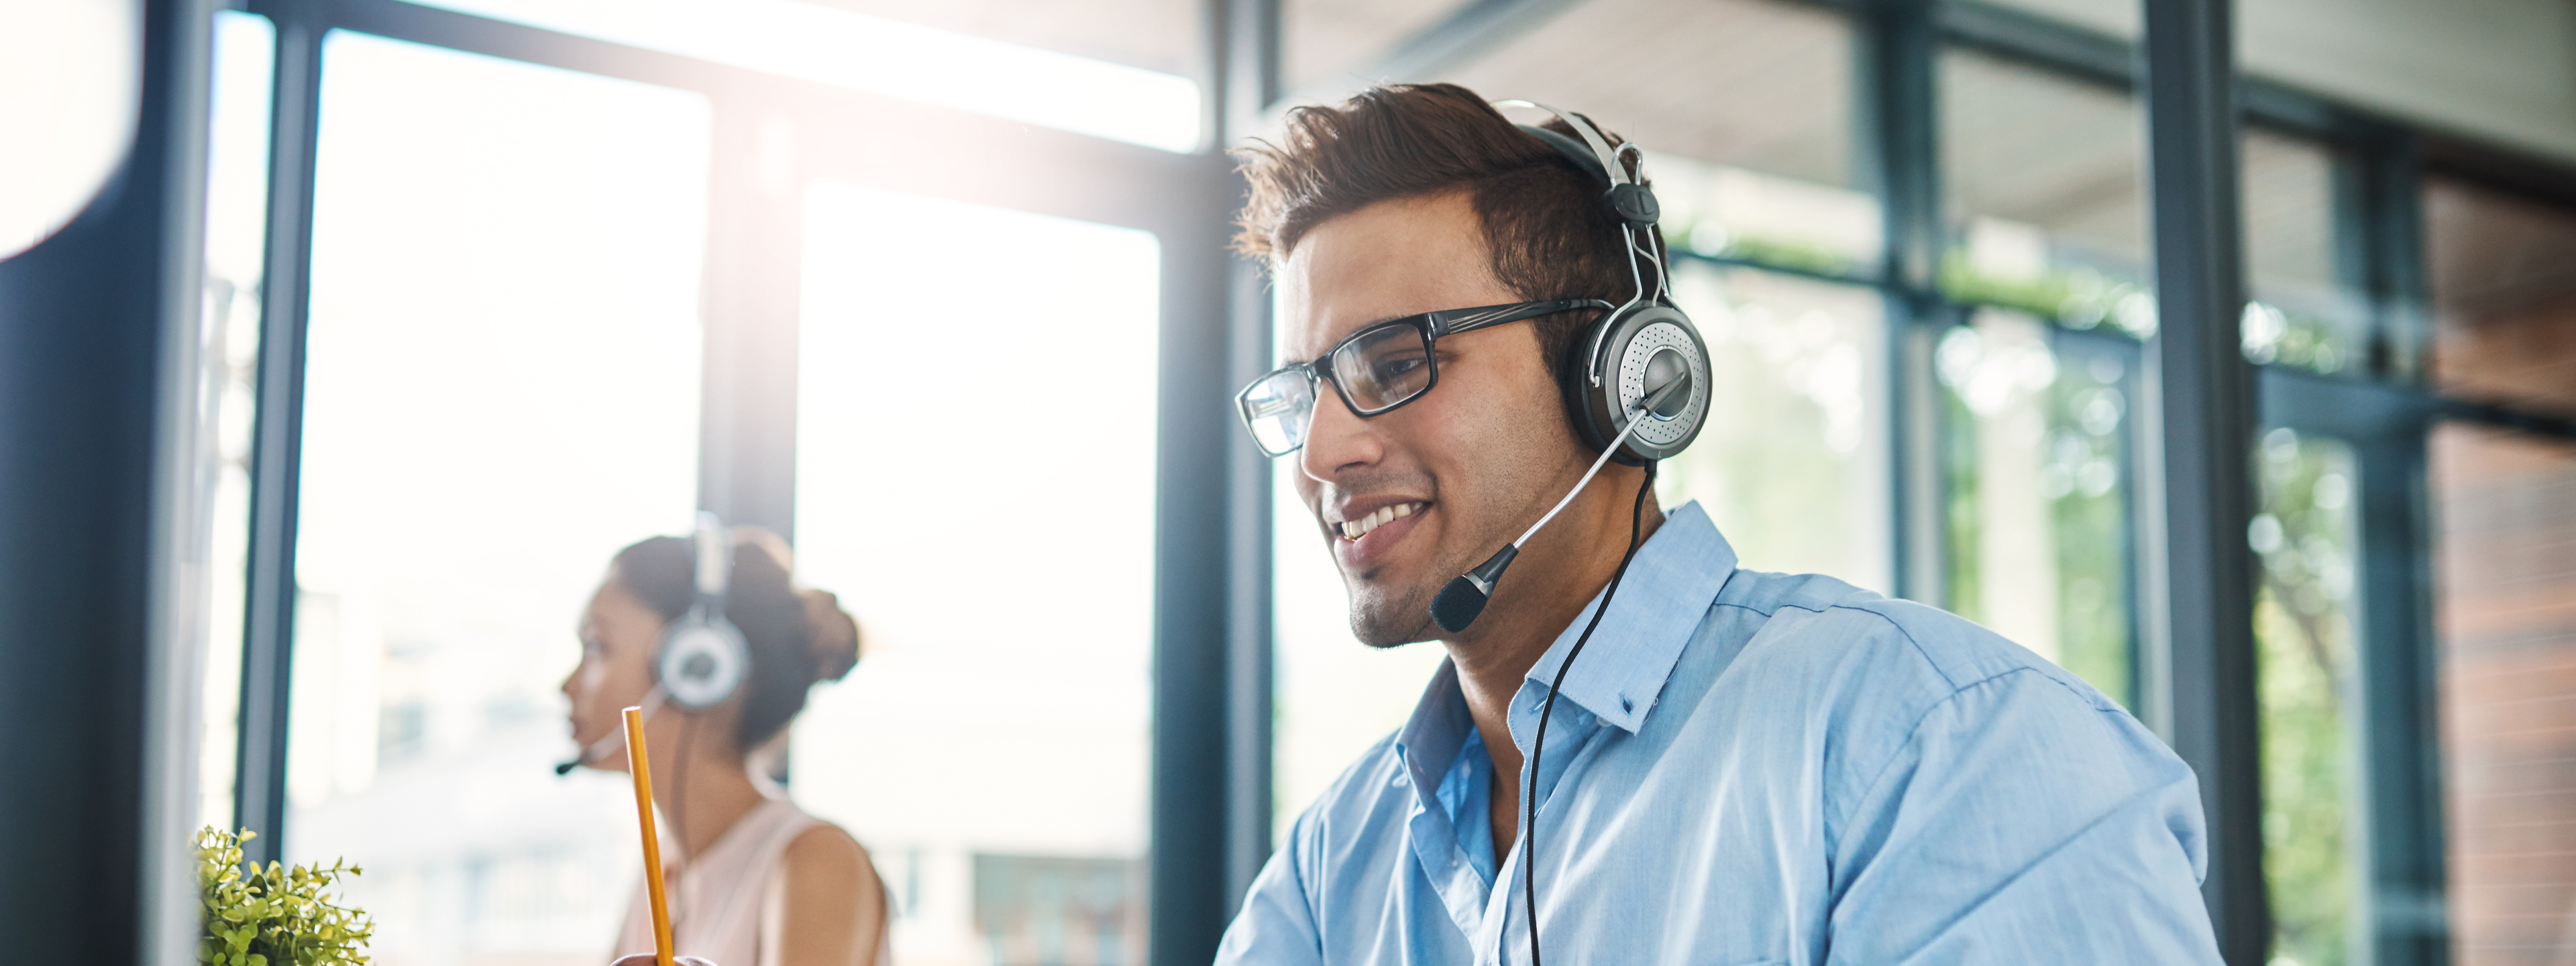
{"points": [[652, 846]]}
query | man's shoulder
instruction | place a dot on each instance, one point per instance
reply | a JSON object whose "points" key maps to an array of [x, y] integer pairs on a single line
{"points": [[1894, 653]]}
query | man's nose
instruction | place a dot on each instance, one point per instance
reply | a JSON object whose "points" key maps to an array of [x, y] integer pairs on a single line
{"points": [[1337, 439]]}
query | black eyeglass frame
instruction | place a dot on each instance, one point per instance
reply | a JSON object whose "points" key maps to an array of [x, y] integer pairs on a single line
{"points": [[1431, 325]]}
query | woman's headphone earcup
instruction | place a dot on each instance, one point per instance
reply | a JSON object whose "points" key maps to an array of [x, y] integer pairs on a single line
{"points": [[703, 661], [1627, 356]]}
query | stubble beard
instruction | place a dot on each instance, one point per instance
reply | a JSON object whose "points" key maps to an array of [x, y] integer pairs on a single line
{"points": [[1385, 615]]}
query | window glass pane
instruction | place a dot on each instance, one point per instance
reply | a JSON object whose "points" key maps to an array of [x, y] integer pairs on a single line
{"points": [[2499, 69], [2036, 479], [236, 230], [2305, 314], [2504, 509], [2504, 296], [2044, 180], [966, 702], [502, 390], [2304, 645], [911, 60], [1793, 469]]}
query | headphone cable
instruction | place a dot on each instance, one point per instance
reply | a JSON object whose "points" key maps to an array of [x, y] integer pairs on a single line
{"points": [[1529, 786]]}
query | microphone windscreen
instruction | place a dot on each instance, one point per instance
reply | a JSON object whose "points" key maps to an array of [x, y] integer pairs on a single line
{"points": [[1458, 605]]}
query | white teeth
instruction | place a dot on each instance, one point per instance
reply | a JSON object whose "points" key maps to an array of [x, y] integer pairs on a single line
{"points": [[1355, 529]]}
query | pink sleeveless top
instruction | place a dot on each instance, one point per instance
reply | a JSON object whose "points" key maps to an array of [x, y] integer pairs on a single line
{"points": [[728, 905]]}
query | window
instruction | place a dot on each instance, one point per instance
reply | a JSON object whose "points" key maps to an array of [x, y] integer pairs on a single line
{"points": [[1793, 464], [2505, 517], [991, 748], [2035, 469], [2306, 672], [915, 52], [2045, 184], [2306, 313], [236, 233], [502, 390]]}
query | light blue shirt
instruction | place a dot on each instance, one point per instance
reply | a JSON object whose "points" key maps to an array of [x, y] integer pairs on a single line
{"points": [[1754, 768]]}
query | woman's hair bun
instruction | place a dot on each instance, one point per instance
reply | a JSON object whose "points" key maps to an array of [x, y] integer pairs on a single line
{"points": [[831, 632]]}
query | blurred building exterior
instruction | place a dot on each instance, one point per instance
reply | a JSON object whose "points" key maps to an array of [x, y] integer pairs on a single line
{"points": [[495, 287]]}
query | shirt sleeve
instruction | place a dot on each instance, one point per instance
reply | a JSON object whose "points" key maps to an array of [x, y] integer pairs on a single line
{"points": [[2024, 821], [1276, 926]]}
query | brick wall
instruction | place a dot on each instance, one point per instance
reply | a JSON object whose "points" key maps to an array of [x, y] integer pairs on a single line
{"points": [[2505, 506]]}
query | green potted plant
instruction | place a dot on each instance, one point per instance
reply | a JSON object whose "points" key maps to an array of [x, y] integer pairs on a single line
{"points": [[277, 916]]}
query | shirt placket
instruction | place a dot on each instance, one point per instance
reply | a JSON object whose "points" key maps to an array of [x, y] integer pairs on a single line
{"points": [[1435, 847], [1570, 733]]}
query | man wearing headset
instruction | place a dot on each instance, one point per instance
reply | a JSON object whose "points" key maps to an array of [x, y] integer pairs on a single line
{"points": [[1741, 767]]}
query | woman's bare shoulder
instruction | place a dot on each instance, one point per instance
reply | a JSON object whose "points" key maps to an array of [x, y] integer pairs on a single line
{"points": [[825, 855]]}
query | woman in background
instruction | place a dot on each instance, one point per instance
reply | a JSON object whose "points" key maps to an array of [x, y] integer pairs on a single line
{"points": [[753, 880]]}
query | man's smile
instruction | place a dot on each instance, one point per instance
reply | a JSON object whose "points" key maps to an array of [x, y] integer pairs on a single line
{"points": [[1365, 531]]}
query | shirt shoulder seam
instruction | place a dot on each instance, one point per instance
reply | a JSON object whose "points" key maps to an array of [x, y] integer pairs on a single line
{"points": [[1898, 626], [1913, 731]]}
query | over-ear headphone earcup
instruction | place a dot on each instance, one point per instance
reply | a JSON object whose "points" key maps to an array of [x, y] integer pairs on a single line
{"points": [[703, 662], [1625, 356]]}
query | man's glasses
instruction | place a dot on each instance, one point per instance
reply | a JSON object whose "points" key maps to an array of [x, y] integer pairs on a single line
{"points": [[1376, 370]]}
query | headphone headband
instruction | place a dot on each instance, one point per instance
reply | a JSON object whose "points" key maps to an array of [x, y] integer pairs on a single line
{"points": [[1639, 346], [1628, 199], [1604, 159], [712, 565], [704, 658]]}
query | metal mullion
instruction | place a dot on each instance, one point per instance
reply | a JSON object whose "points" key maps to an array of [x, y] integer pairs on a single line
{"points": [[1193, 520], [2398, 281], [1895, 117], [2199, 572], [2400, 907], [259, 793], [2398, 840], [1243, 77], [1196, 517]]}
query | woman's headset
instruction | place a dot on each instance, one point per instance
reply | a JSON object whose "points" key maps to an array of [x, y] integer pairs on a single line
{"points": [[704, 658], [1644, 344]]}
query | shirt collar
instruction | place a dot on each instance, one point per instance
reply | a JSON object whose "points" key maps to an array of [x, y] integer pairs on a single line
{"points": [[1662, 600]]}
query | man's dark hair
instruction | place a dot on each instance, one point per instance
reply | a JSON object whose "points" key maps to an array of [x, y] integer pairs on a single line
{"points": [[1544, 224]]}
